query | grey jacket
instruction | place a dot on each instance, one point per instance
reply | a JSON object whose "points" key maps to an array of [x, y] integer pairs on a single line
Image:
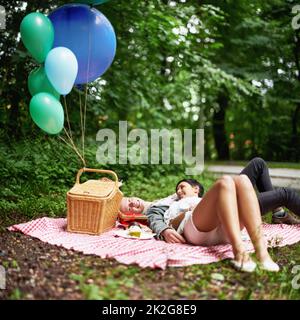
{"points": [[156, 219]]}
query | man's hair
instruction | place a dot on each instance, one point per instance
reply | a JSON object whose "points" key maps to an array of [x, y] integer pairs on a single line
{"points": [[193, 183]]}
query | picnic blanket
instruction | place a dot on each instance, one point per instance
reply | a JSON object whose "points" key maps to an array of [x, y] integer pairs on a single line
{"points": [[146, 253]]}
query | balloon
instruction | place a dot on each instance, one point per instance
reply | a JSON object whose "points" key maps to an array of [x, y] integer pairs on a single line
{"points": [[94, 2], [37, 34], [38, 82], [47, 112], [89, 34], [80, 87], [61, 68]]}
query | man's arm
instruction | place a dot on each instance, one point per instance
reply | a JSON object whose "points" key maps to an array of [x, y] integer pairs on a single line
{"points": [[157, 223], [155, 215]]}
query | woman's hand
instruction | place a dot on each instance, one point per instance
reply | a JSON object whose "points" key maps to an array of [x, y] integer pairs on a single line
{"points": [[172, 236]]}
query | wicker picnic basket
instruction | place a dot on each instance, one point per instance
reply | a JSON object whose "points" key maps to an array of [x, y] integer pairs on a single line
{"points": [[93, 206]]}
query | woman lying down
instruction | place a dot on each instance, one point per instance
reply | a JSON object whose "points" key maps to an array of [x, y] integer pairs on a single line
{"points": [[215, 218], [218, 217]]}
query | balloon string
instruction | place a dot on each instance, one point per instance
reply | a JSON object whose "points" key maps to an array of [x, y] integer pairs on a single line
{"points": [[73, 149], [86, 87], [70, 135], [72, 145], [81, 123], [67, 114], [84, 118]]}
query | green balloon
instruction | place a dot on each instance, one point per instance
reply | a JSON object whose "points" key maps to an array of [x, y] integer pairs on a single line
{"points": [[38, 82], [94, 2], [47, 112], [37, 34]]}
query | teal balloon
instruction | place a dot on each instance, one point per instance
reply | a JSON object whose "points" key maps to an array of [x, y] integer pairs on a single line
{"points": [[37, 34], [47, 112], [91, 2], [38, 82], [61, 68]]}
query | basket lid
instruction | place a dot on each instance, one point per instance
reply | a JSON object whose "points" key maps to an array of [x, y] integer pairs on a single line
{"points": [[94, 188]]}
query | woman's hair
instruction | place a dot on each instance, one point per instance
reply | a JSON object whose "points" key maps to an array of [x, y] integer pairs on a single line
{"points": [[193, 183]]}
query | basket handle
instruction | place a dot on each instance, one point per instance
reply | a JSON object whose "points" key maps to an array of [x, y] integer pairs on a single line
{"points": [[80, 171]]}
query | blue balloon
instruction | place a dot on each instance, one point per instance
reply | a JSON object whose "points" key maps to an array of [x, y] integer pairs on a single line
{"points": [[89, 34], [80, 87], [61, 68]]}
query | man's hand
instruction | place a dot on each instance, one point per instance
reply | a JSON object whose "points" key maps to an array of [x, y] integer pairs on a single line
{"points": [[172, 236]]}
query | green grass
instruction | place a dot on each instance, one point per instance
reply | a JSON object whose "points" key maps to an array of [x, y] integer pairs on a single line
{"points": [[35, 177], [16, 294], [209, 281], [116, 284], [38, 186]]}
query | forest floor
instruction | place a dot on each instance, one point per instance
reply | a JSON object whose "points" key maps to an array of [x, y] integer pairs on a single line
{"points": [[37, 270]]}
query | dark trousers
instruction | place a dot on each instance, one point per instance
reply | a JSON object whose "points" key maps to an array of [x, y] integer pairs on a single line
{"points": [[268, 197]]}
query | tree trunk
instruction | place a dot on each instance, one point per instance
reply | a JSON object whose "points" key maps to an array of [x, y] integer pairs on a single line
{"points": [[295, 138], [219, 131], [295, 141]]}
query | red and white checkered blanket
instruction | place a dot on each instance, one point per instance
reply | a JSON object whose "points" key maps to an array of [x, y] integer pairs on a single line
{"points": [[146, 253]]}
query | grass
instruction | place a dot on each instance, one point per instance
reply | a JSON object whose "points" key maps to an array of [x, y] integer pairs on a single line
{"points": [[210, 281], [16, 295]]}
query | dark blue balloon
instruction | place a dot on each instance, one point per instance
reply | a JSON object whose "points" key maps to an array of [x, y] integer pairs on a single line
{"points": [[80, 87], [89, 34]]}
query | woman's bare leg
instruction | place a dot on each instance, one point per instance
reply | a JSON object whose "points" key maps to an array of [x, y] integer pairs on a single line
{"points": [[249, 214], [219, 207]]}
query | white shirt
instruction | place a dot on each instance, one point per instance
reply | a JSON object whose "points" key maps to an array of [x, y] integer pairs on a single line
{"points": [[186, 205], [166, 201]]}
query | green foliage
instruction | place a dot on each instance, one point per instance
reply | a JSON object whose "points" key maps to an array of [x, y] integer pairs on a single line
{"points": [[171, 64], [37, 175], [163, 69]]}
